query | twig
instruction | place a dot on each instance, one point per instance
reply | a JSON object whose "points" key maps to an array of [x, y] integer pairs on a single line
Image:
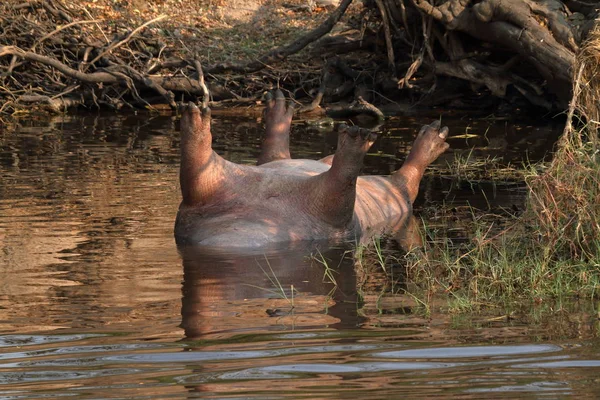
{"points": [[573, 103], [404, 19], [127, 39], [63, 27], [56, 13], [206, 95], [416, 64], [359, 106], [319, 97], [97, 25], [71, 89], [388, 36]]}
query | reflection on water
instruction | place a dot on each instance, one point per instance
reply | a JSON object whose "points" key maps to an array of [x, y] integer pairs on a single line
{"points": [[97, 302], [282, 289]]}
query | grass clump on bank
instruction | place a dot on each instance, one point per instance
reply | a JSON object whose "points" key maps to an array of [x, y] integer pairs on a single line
{"points": [[552, 250]]}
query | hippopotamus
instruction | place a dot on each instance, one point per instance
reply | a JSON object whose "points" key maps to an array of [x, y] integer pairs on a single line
{"points": [[285, 200]]}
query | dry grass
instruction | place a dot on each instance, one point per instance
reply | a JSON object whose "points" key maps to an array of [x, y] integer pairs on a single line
{"points": [[547, 255], [564, 201]]}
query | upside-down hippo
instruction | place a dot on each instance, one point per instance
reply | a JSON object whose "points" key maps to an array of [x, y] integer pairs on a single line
{"points": [[284, 200]]}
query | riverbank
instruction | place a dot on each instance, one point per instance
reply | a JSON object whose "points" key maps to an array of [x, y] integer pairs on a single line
{"points": [[547, 254]]}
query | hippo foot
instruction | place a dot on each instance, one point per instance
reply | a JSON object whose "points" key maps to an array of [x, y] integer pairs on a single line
{"points": [[278, 119], [429, 144], [194, 122], [196, 155], [354, 141], [277, 116]]}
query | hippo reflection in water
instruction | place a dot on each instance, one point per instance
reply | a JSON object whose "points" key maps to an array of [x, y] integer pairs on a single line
{"points": [[284, 200]]}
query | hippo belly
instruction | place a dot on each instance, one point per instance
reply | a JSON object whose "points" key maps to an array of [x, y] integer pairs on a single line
{"points": [[283, 200], [271, 211]]}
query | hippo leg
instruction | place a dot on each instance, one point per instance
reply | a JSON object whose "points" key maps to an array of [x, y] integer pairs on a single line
{"points": [[334, 191], [202, 170], [428, 146], [276, 144]]}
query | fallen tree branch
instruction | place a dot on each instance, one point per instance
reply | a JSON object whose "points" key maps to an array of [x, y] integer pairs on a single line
{"points": [[144, 80], [388, 36], [474, 72], [360, 106], [127, 39], [95, 77], [511, 25], [160, 84], [56, 105]]}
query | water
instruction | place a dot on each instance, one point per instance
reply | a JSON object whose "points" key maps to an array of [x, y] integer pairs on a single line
{"points": [[96, 301]]}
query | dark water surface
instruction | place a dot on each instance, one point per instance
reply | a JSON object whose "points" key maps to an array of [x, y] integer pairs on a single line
{"points": [[97, 302]]}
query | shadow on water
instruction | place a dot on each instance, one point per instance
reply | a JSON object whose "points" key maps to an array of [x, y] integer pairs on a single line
{"points": [[97, 302]]}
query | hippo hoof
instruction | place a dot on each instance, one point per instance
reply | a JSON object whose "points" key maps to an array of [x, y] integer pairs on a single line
{"points": [[275, 108], [431, 142], [360, 139], [194, 121]]}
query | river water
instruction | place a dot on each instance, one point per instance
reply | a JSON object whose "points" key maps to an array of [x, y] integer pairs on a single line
{"points": [[96, 301]]}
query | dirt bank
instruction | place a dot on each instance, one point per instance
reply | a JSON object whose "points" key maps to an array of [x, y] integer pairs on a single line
{"points": [[346, 57]]}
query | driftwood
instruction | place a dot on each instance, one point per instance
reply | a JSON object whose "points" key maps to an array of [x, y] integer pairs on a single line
{"points": [[519, 50]]}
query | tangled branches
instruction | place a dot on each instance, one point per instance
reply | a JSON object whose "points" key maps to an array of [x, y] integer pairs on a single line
{"points": [[434, 52], [79, 62], [52, 58]]}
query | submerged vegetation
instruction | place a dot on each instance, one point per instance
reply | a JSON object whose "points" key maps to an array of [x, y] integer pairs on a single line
{"points": [[551, 251]]}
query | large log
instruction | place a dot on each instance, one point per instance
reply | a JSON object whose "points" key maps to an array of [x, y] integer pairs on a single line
{"points": [[540, 33]]}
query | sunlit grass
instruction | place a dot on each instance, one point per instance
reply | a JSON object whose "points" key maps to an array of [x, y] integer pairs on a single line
{"points": [[276, 289], [550, 254]]}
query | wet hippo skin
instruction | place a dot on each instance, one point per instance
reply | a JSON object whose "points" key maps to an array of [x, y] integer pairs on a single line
{"points": [[283, 200]]}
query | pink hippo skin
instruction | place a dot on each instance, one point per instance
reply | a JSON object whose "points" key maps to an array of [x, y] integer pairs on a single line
{"points": [[283, 200]]}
